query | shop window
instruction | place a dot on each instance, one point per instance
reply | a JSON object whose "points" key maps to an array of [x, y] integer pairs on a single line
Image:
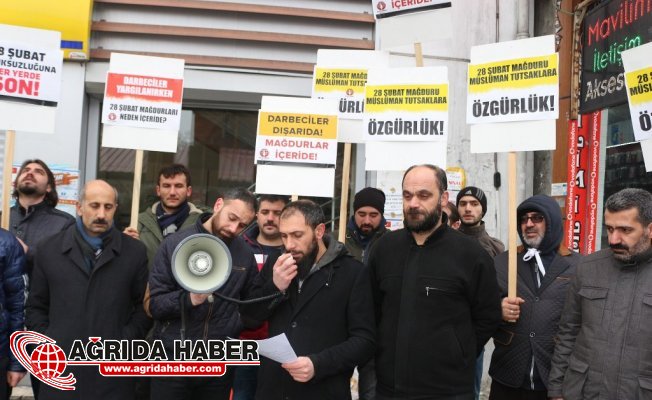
{"points": [[624, 159]]}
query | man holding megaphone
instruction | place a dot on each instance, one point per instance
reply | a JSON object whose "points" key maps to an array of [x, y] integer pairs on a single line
{"points": [[326, 311], [183, 302]]}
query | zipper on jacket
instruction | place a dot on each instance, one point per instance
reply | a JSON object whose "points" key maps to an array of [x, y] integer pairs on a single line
{"points": [[208, 318]]}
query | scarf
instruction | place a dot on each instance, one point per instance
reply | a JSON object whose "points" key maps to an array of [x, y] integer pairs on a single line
{"points": [[170, 223]]}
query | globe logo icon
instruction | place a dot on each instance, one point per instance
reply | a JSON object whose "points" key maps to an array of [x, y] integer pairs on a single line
{"points": [[48, 361]]}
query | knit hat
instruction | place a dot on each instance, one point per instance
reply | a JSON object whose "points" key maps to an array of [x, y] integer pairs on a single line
{"points": [[474, 192], [371, 197]]}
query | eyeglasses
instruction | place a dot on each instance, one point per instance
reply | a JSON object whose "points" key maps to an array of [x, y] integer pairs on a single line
{"points": [[535, 218]]}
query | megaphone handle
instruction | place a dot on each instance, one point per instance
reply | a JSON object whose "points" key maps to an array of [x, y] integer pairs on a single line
{"points": [[182, 302]]}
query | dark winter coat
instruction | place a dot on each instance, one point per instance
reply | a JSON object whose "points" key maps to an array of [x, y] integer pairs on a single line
{"points": [[492, 245], [217, 320], [532, 334], [329, 320], [35, 224], [354, 243], [68, 302], [12, 294], [437, 304]]}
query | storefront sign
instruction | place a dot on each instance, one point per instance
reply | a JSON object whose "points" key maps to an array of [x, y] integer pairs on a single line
{"points": [[30, 71], [583, 184], [610, 29], [390, 8], [407, 105], [522, 89], [296, 138]]}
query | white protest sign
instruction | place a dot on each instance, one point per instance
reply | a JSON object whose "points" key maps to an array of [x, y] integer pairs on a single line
{"points": [[646, 148], [292, 134], [142, 102], [515, 85], [417, 27], [341, 75], [535, 126], [637, 63], [407, 104], [397, 156], [31, 66], [389, 8]]}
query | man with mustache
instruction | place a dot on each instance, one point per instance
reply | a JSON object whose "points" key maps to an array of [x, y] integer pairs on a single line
{"points": [[524, 342], [265, 241], [602, 348], [365, 226], [326, 310], [197, 316], [436, 297], [173, 212], [89, 281]]}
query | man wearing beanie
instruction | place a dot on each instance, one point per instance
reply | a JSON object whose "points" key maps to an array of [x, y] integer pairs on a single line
{"points": [[366, 225], [472, 206], [520, 364]]}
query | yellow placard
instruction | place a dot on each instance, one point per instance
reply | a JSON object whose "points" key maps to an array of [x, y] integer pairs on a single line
{"points": [[514, 74], [639, 85], [308, 126], [348, 81], [410, 98], [70, 17]]}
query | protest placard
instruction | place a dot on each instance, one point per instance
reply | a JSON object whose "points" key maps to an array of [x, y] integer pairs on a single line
{"points": [[296, 146], [142, 102], [390, 8], [638, 79], [406, 104]]}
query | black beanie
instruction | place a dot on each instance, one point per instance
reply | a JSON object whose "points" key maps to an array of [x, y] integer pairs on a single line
{"points": [[370, 197], [474, 192]]}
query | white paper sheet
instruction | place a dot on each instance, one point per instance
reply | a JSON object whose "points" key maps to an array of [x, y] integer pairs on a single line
{"points": [[277, 348]]}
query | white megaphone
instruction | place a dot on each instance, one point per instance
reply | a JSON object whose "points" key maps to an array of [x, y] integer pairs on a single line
{"points": [[201, 263]]}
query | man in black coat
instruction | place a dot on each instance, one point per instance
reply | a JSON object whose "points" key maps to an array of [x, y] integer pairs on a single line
{"points": [[325, 311], [90, 281], [436, 297], [206, 316], [524, 342]]}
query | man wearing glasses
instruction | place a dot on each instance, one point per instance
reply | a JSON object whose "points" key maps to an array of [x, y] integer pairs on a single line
{"points": [[524, 341]]}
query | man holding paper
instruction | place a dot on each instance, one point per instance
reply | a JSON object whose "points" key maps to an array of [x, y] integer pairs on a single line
{"points": [[326, 310]]}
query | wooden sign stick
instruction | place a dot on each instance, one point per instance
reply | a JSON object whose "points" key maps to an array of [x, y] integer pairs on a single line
{"points": [[10, 139], [511, 261], [344, 197], [135, 199]]}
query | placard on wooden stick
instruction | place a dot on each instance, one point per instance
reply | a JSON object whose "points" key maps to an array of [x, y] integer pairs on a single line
{"points": [[512, 104], [142, 109], [296, 146]]}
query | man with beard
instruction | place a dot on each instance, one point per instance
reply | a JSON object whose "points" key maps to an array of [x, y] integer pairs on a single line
{"points": [[525, 340], [34, 216], [436, 298], [326, 310], [173, 212], [89, 281], [472, 207], [265, 241], [602, 348], [365, 226], [203, 316]]}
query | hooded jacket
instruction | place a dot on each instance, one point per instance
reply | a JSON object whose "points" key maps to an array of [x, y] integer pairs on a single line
{"points": [[328, 318], [523, 350], [359, 245]]}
